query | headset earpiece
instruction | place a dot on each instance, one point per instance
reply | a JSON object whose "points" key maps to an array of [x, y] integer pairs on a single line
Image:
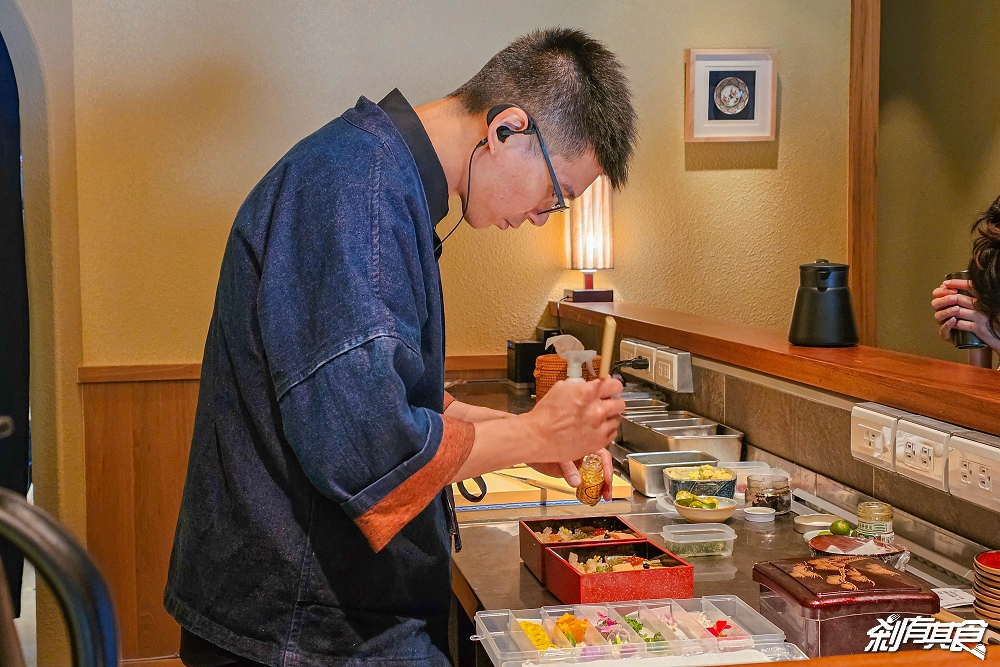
{"points": [[504, 132]]}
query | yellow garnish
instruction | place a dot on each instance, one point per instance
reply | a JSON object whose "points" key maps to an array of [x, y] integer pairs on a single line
{"points": [[569, 625], [704, 472], [539, 638]]}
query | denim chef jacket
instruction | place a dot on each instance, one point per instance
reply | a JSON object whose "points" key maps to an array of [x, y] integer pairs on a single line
{"points": [[313, 528]]}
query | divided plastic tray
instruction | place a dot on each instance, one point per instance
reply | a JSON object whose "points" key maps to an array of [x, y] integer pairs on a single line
{"points": [[676, 621]]}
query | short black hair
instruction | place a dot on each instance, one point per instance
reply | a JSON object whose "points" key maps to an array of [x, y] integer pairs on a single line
{"points": [[984, 268], [572, 86]]}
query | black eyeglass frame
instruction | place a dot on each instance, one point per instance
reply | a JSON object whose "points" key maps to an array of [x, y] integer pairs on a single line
{"points": [[561, 204], [532, 128]]}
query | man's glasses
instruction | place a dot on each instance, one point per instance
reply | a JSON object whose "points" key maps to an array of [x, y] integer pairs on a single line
{"points": [[560, 204], [504, 132]]}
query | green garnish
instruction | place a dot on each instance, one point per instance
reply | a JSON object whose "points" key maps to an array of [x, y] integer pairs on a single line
{"points": [[572, 642], [637, 626]]}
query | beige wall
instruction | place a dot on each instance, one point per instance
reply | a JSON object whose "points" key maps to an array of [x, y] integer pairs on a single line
{"points": [[145, 123], [182, 106], [939, 156]]}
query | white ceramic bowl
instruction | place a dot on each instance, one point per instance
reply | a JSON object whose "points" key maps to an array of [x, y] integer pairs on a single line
{"points": [[699, 515]]}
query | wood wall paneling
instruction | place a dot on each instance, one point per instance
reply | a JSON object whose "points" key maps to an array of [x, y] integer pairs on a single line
{"points": [[111, 537], [138, 422], [138, 435], [475, 367], [144, 373], [862, 208]]}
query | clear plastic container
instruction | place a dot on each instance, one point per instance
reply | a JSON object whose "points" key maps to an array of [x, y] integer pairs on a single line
{"points": [[744, 468], [610, 636], [689, 540]]}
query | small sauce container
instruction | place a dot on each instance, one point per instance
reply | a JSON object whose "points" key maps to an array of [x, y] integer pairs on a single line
{"points": [[769, 491], [875, 521]]}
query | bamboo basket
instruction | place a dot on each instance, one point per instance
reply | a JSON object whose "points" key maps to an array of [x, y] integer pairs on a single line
{"points": [[551, 368]]}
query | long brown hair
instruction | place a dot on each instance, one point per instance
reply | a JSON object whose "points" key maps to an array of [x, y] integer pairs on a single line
{"points": [[984, 268]]}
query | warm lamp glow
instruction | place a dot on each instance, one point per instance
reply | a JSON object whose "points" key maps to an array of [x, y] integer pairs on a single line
{"points": [[588, 229]]}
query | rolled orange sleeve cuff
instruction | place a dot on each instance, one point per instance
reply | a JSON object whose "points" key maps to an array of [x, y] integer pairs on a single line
{"points": [[386, 518]]}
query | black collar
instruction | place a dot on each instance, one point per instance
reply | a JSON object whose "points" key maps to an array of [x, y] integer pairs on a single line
{"points": [[429, 166]]}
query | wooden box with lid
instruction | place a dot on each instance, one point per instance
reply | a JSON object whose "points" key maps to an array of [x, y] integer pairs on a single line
{"points": [[827, 605]]}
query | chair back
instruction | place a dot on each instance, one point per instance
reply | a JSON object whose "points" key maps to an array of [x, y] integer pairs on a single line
{"points": [[65, 566]]}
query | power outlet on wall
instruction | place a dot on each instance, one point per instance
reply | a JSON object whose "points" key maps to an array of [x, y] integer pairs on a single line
{"points": [[873, 434], [672, 369], [974, 467], [922, 451]]}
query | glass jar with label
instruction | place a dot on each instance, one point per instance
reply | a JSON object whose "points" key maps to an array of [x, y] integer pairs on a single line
{"points": [[769, 491], [875, 521]]}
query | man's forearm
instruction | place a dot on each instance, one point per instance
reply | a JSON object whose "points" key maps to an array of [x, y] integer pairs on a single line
{"points": [[473, 413], [499, 443]]}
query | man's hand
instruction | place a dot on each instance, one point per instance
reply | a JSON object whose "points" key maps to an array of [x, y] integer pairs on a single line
{"points": [[570, 471], [571, 421], [575, 419], [958, 311], [579, 418]]}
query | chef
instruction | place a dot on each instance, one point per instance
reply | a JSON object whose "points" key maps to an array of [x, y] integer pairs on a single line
{"points": [[317, 520]]}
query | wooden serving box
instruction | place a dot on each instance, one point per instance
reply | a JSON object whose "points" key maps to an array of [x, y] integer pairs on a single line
{"points": [[676, 580], [533, 549], [827, 605]]}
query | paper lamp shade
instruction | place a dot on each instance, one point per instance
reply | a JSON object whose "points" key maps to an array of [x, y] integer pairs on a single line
{"points": [[588, 229]]}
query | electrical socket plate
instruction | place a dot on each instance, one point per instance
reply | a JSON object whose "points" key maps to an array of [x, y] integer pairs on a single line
{"points": [[644, 349], [672, 369], [630, 349], [626, 349], [873, 434], [974, 468], [922, 450]]}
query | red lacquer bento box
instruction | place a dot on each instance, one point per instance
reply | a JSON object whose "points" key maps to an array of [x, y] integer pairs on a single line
{"points": [[566, 582], [533, 548]]}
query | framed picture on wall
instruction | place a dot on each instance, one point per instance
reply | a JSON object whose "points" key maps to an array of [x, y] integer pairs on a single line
{"points": [[732, 95]]}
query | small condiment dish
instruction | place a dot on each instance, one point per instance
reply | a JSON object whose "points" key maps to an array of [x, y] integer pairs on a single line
{"points": [[700, 515], [988, 562], [815, 533], [758, 514]]}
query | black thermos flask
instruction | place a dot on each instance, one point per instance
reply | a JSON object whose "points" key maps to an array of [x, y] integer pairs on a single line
{"points": [[823, 315]]}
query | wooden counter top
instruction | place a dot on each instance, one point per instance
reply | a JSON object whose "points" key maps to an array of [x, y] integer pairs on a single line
{"points": [[955, 393]]}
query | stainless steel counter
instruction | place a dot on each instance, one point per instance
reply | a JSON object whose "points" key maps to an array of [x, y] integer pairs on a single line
{"points": [[490, 568], [488, 572]]}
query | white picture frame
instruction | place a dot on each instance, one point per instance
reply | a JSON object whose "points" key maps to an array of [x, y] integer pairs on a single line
{"points": [[741, 106]]}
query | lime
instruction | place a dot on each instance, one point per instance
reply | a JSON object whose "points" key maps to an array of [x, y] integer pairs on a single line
{"points": [[840, 527]]}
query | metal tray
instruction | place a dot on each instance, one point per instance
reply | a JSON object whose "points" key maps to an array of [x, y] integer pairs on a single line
{"points": [[660, 414], [646, 469], [682, 426], [633, 428], [644, 405], [725, 444]]}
